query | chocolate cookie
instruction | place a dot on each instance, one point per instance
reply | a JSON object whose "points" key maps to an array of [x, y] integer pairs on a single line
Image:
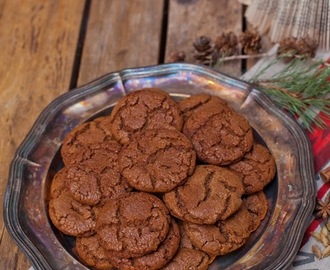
{"points": [[219, 134], [78, 142], [157, 160], [188, 254], [92, 253], [211, 193], [186, 243], [257, 168], [187, 258], [132, 225], [90, 187], [83, 185], [156, 259], [223, 237], [196, 102], [257, 205], [148, 108], [58, 183], [70, 216]]}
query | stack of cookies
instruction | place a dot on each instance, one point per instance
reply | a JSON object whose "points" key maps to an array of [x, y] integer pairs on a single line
{"points": [[160, 184]]}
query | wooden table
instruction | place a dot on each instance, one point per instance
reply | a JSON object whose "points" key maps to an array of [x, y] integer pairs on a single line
{"points": [[50, 47]]}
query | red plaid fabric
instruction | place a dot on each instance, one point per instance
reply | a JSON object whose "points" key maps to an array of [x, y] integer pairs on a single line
{"points": [[320, 141]]}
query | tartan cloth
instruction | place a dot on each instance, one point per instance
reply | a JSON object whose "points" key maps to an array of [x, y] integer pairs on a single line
{"points": [[320, 141]]}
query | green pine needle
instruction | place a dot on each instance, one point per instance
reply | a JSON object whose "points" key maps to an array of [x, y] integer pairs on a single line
{"points": [[301, 90]]}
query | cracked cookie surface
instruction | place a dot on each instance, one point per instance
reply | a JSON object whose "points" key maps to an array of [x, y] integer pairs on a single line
{"points": [[78, 143], [70, 216], [224, 236], [211, 193], [187, 258], [257, 206], [133, 224], [92, 253], [219, 134], [257, 168], [197, 102], [148, 108], [157, 160], [156, 259]]}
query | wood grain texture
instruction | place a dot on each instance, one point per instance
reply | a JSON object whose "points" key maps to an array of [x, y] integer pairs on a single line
{"points": [[121, 34], [38, 43], [189, 19]]}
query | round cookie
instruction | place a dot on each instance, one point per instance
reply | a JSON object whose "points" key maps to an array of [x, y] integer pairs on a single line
{"points": [[156, 259], [70, 216], [92, 253], [257, 168], [187, 258], [112, 184], [211, 193], [58, 183], [199, 101], [148, 108], [157, 160], [257, 206], [185, 243], [223, 237], [219, 134], [182, 259], [132, 225], [87, 187], [99, 157], [78, 141], [83, 185]]}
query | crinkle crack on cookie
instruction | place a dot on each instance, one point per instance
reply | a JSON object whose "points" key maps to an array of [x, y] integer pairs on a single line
{"points": [[257, 168], [80, 141], [148, 108], [212, 193], [92, 253], [220, 135], [187, 258], [156, 259], [223, 237], [70, 216], [132, 225], [157, 160], [257, 206], [195, 103]]}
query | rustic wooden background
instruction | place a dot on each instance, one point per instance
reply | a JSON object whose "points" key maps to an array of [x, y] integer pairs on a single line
{"points": [[50, 47]]}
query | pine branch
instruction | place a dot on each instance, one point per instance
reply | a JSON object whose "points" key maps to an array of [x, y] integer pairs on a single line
{"points": [[303, 90]]}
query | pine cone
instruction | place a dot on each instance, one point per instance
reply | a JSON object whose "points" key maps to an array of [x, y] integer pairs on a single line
{"points": [[176, 56], [287, 49], [211, 59], [203, 44], [306, 47], [203, 49], [226, 44], [251, 42], [291, 48]]}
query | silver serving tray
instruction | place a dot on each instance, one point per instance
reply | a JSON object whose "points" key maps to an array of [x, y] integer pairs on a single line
{"points": [[291, 196]]}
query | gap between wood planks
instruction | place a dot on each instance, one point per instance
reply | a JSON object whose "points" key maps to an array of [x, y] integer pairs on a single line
{"points": [[162, 47], [244, 28], [163, 36], [80, 45], [82, 35]]}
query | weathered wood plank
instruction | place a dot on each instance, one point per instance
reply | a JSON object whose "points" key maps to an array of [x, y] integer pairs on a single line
{"points": [[189, 19], [121, 34], [38, 43]]}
